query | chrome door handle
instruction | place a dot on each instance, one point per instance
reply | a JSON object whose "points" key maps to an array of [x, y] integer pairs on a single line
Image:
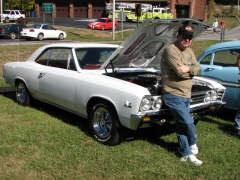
{"points": [[210, 69], [41, 75]]}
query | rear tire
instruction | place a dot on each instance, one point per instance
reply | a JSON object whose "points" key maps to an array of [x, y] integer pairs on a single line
{"points": [[22, 94], [40, 37], [12, 35], [7, 20]]}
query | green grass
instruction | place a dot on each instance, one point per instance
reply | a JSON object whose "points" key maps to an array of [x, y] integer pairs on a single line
{"points": [[44, 142]]}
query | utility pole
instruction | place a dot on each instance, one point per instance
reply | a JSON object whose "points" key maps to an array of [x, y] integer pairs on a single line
{"points": [[113, 21], [1, 13]]}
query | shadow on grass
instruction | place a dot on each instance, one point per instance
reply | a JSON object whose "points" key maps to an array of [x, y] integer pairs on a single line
{"points": [[152, 135], [227, 115], [65, 116]]}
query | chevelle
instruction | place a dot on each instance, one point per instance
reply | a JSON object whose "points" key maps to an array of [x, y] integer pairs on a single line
{"points": [[115, 87]]}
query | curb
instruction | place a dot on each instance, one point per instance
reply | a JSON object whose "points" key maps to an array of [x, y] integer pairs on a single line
{"points": [[7, 89]]}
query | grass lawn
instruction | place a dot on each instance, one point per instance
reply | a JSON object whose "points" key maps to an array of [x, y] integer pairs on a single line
{"points": [[44, 142]]}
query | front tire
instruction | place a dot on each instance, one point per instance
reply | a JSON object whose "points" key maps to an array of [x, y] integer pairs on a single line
{"points": [[22, 95], [61, 37], [12, 35], [104, 124]]}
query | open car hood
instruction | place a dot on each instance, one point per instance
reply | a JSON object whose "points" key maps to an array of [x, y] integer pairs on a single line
{"points": [[145, 45]]}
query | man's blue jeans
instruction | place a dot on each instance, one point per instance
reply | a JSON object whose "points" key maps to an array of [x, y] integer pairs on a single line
{"points": [[237, 120], [185, 127]]}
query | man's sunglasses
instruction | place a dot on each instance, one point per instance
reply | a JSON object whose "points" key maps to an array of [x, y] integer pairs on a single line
{"points": [[187, 37]]}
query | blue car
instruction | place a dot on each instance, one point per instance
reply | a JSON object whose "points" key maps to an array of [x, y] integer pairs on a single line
{"points": [[11, 31], [219, 62]]}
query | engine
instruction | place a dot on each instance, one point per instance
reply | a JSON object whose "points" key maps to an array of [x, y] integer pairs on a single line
{"points": [[151, 81]]}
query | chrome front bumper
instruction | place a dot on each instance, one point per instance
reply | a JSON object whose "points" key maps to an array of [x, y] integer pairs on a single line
{"points": [[164, 116]]}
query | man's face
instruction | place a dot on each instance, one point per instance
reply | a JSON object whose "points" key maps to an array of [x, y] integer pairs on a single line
{"points": [[184, 42]]}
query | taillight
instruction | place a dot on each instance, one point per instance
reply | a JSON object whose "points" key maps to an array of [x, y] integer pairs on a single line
{"points": [[1, 30], [31, 30]]}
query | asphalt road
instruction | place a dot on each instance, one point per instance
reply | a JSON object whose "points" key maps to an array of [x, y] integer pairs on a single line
{"points": [[76, 22]]}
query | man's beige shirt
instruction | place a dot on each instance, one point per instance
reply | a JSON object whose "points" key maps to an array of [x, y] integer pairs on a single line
{"points": [[179, 85]]}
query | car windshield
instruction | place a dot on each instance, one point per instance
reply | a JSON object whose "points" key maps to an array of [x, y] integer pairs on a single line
{"points": [[93, 57], [101, 20], [6, 12]]}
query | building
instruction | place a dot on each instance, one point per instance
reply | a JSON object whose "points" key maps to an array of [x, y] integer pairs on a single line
{"points": [[93, 8]]}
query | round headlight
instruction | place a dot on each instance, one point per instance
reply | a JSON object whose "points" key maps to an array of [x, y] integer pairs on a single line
{"points": [[214, 95], [207, 97], [157, 103], [146, 104]]}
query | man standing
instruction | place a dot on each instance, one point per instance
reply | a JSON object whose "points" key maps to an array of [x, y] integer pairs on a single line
{"points": [[178, 66], [222, 24]]}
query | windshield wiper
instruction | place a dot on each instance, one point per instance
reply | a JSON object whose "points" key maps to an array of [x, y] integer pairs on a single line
{"points": [[111, 62]]}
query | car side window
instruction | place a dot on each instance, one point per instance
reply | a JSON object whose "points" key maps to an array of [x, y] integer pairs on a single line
{"points": [[225, 58], [206, 60], [57, 57], [93, 56], [44, 27], [43, 58]]}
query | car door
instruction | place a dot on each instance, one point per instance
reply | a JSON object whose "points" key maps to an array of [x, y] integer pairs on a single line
{"points": [[57, 79], [109, 24], [221, 65], [50, 32]]}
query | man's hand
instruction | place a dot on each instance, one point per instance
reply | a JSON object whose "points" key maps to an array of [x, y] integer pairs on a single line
{"points": [[182, 69]]}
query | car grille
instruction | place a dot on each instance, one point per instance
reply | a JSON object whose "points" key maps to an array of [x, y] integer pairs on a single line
{"points": [[198, 97]]}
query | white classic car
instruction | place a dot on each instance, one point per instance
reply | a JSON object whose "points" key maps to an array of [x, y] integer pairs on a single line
{"points": [[42, 31], [114, 93]]}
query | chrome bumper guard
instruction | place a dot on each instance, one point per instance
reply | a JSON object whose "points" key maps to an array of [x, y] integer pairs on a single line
{"points": [[164, 116]]}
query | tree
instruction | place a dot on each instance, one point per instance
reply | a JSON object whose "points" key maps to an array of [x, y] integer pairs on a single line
{"points": [[24, 5]]}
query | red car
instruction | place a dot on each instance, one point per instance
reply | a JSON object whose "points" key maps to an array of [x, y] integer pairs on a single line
{"points": [[103, 23]]}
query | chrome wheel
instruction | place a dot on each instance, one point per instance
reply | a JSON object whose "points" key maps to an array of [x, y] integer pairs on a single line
{"points": [[102, 122], [22, 94]]}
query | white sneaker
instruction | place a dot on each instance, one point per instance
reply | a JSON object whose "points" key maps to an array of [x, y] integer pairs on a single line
{"points": [[192, 158], [194, 149]]}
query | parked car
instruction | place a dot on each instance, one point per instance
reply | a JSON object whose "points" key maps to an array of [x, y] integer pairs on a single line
{"points": [[12, 31], [102, 23], [42, 31], [12, 15], [219, 62], [124, 93]]}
